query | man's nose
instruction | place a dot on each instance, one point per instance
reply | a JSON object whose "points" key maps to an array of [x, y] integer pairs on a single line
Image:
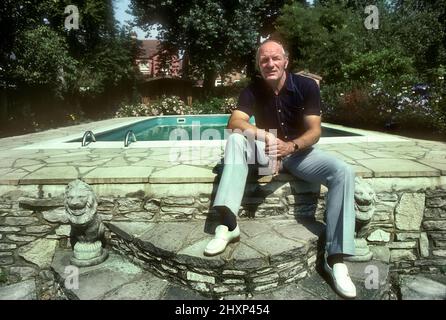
{"points": [[270, 63]]}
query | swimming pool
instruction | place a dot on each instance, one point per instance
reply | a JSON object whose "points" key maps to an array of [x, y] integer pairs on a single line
{"points": [[207, 127], [184, 131]]}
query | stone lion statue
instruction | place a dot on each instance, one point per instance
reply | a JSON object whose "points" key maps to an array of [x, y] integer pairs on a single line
{"points": [[87, 229], [365, 200]]}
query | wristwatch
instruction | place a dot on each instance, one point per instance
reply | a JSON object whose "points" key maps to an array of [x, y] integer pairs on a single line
{"points": [[295, 146]]}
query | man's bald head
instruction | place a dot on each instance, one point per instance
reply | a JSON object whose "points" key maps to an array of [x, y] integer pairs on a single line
{"points": [[270, 42], [272, 61]]}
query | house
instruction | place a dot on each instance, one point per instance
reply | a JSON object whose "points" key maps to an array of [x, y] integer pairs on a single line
{"points": [[230, 79], [150, 63]]}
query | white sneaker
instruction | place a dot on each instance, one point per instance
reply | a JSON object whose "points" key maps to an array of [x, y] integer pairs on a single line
{"points": [[221, 239], [341, 279]]}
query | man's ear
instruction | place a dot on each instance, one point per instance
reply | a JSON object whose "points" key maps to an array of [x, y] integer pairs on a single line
{"points": [[286, 63]]}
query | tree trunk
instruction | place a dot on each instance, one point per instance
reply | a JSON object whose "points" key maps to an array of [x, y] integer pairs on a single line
{"points": [[185, 72], [251, 70], [3, 106], [209, 81]]}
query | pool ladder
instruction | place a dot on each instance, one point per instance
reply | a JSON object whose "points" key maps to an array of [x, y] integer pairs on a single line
{"points": [[129, 138], [88, 134]]}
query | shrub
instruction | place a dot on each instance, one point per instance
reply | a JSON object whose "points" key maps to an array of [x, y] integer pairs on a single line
{"points": [[386, 104], [129, 110], [166, 106], [215, 106]]}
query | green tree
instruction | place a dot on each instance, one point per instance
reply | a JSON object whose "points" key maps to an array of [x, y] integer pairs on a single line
{"points": [[320, 39], [38, 56], [42, 61], [216, 36]]}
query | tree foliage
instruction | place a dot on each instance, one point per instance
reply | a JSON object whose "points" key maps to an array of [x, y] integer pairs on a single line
{"points": [[96, 56], [42, 60], [217, 36], [369, 73]]}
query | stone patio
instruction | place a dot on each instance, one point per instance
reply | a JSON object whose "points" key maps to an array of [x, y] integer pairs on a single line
{"points": [[409, 158], [149, 196], [270, 254], [119, 279]]}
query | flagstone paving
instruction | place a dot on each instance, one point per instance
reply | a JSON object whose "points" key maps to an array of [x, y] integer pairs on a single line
{"points": [[182, 171], [408, 158], [120, 279]]}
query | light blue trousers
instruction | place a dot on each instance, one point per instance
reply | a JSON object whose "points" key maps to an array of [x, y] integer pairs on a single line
{"points": [[311, 165]]}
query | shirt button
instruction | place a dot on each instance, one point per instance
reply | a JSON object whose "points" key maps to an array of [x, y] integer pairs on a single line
{"points": [[280, 110], [286, 137], [282, 123]]}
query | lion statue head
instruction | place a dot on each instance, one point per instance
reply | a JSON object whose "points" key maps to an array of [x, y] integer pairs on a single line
{"points": [[80, 202], [365, 200]]}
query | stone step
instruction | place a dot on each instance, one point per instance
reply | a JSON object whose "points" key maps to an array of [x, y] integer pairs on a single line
{"points": [[270, 254], [118, 278]]}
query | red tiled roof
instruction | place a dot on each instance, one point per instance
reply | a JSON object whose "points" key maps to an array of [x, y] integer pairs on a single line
{"points": [[148, 48]]}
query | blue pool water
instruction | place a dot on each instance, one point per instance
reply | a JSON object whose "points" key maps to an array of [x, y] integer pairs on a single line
{"points": [[185, 128]]}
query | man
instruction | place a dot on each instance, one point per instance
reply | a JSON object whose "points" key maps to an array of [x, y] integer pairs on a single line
{"points": [[290, 105]]}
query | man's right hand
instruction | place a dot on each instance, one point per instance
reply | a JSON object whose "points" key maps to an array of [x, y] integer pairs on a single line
{"points": [[270, 144]]}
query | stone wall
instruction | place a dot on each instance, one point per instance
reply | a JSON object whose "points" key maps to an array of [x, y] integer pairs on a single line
{"points": [[214, 277], [408, 228]]}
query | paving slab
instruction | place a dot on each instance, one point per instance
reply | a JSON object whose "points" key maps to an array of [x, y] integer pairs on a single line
{"points": [[276, 247], [26, 162], [288, 292], [356, 155], [419, 287], [398, 168], [53, 175], [304, 231], [439, 164], [167, 238], [130, 230], [246, 257], [127, 174], [176, 292], [95, 282], [25, 290], [182, 174], [13, 177], [193, 255], [146, 287]]}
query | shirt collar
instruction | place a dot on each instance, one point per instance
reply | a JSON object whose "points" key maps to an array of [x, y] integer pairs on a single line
{"points": [[289, 86], [289, 82]]}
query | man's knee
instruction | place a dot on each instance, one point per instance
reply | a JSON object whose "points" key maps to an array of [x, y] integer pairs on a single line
{"points": [[236, 138], [344, 171]]}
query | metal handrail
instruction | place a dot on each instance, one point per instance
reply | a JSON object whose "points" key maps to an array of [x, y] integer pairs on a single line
{"points": [[128, 137], [86, 135]]}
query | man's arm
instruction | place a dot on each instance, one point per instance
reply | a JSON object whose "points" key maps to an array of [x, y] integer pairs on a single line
{"points": [[307, 139], [239, 120], [312, 133]]}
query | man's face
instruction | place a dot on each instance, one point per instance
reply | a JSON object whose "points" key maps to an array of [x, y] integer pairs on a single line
{"points": [[272, 61]]}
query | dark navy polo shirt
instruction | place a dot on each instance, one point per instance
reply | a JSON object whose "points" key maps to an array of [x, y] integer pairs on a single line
{"points": [[285, 111]]}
